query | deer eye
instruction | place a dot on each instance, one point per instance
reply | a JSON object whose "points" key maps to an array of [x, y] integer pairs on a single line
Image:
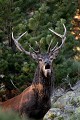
{"points": [[51, 58], [40, 59]]}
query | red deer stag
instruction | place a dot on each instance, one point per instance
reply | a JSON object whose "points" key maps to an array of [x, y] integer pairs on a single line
{"points": [[34, 101]]}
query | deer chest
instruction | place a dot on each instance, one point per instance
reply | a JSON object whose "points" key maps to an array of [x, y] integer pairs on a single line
{"points": [[36, 108]]}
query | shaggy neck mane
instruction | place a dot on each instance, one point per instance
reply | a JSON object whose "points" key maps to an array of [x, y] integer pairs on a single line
{"points": [[40, 81]]}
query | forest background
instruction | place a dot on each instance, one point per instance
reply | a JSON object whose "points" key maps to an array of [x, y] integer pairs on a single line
{"points": [[36, 17]]}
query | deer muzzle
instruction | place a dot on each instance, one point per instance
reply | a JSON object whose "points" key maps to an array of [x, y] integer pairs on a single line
{"points": [[47, 70]]}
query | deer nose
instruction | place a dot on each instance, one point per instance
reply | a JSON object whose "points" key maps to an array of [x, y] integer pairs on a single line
{"points": [[47, 61]]}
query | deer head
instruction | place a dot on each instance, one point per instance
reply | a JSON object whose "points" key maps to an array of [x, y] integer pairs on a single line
{"points": [[44, 60]]}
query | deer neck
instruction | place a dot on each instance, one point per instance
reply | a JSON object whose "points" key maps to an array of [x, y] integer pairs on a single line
{"points": [[41, 83]]}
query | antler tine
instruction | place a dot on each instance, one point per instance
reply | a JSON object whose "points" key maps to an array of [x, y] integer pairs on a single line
{"points": [[19, 36], [54, 47], [32, 48], [49, 46], [64, 29], [18, 45], [39, 50], [55, 33], [61, 36]]}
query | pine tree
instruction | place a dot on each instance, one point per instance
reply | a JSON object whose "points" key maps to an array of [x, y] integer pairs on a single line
{"points": [[10, 16], [36, 17]]}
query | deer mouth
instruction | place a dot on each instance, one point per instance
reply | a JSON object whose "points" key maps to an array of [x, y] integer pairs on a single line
{"points": [[47, 70], [47, 66]]}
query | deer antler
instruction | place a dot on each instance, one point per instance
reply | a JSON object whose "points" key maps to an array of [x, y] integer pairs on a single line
{"points": [[56, 47], [39, 50], [49, 46], [18, 45]]}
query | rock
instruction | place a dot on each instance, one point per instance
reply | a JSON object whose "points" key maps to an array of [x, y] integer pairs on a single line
{"points": [[65, 105]]}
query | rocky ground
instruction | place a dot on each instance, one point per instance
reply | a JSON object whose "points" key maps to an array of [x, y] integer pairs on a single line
{"points": [[67, 105]]}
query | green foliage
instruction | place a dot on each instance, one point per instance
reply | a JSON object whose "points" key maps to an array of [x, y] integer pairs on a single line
{"points": [[14, 67], [10, 115], [69, 67], [36, 17], [75, 116]]}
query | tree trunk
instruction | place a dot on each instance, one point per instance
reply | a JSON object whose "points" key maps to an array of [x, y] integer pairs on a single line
{"points": [[9, 24]]}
